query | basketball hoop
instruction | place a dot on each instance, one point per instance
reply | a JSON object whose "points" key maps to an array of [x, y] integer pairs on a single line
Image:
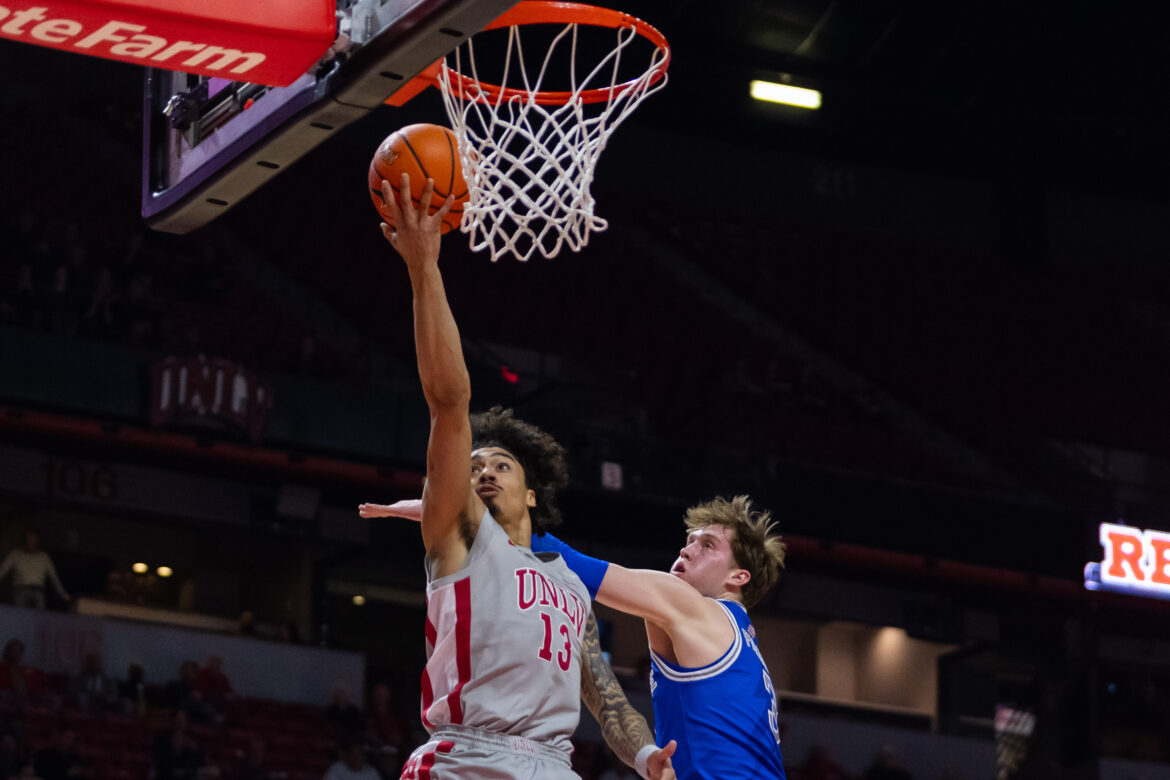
{"points": [[529, 153]]}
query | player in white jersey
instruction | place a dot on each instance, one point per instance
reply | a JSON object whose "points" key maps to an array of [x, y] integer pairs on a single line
{"points": [[505, 628]]}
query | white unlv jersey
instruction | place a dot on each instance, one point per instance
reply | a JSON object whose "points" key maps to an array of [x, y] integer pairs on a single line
{"points": [[504, 643]]}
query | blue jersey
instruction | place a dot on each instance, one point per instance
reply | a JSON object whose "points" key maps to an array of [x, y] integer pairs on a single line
{"points": [[723, 715]]}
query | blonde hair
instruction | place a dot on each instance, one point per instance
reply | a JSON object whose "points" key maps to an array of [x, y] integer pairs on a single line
{"points": [[751, 546]]}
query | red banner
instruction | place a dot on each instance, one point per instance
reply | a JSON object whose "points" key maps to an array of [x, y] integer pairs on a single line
{"points": [[262, 41]]}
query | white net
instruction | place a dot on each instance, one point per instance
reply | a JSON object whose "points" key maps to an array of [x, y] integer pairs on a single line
{"points": [[529, 155]]}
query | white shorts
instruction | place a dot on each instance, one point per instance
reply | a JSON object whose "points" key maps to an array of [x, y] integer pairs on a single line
{"points": [[461, 753]]}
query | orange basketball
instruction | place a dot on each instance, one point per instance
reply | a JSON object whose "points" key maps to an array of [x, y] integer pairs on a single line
{"points": [[423, 151]]}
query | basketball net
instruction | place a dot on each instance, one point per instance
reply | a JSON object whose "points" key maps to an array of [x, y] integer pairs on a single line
{"points": [[529, 155]]}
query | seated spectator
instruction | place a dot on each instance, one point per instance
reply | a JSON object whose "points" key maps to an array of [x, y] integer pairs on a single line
{"points": [[178, 691], [11, 757], [17, 679], [134, 696], [351, 764], [175, 754], [213, 684], [60, 761], [95, 691], [247, 625], [386, 726], [184, 695], [290, 633], [345, 718], [886, 766]]}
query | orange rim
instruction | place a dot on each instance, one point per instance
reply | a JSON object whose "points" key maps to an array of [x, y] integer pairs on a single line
{"points": [[557, 12]]}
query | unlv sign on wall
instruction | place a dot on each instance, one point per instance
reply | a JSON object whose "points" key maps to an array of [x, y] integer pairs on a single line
{"points": [[213, 393], [262, 41], [1133, 561]]}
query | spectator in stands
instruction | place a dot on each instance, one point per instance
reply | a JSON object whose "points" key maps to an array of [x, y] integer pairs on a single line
{"points": [[386, 726], [213, 684], [11, 759], [30, 566], [134, 694], [351, 764], [60, 760], [27, 772], [183, 694], [886, 766], [345, 718], [100, 318], [17, 299], [17, 679], [95, 691], [175, 754]]}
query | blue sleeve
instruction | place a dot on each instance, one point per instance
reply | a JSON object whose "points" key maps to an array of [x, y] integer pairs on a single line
{"points": [[590, 570]]}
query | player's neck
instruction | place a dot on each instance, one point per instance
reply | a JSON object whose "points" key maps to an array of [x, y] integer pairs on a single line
{"points": [[729, 595], [518, 529]]}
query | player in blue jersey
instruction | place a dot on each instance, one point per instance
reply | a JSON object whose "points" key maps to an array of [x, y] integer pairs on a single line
{"points": [[710, 686], [711, 689]]}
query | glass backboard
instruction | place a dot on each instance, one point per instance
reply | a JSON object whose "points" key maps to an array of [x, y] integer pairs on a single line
{"points": [[209, 141]]}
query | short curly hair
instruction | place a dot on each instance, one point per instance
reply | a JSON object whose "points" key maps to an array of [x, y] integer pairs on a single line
{"points": [[540, 455], [753, 546]]}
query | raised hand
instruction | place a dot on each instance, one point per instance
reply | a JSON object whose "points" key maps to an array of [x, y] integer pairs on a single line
{"points": [[418, 233]]}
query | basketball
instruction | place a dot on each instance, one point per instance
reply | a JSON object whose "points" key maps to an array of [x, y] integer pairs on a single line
{"points": [[423, 151]]}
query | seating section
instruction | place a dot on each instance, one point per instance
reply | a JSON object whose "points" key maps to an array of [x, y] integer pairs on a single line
{"points": [[991, 351], [297, 742]]}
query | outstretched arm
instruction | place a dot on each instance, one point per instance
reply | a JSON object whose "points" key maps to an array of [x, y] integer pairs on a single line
{"points": [[658, 597], [441, 368], [625, 730]]}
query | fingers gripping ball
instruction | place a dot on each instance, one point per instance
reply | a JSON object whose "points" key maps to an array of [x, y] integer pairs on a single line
{"points": [[423, 151]]}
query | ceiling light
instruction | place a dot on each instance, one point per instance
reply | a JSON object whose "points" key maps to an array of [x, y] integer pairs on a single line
{"points": [[164, 571], [359, 600], [140, 568], [787, 94]]}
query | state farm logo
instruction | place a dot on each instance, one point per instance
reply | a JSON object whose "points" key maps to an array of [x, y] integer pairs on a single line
{"points": [[1133, 561], [123, 40]]}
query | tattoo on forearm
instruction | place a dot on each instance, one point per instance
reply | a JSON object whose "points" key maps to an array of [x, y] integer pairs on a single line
{"points": [[624, 728]]}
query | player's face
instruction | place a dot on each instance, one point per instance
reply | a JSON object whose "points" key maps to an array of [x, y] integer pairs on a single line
{"points": [[706, 561], [498, 479]]}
